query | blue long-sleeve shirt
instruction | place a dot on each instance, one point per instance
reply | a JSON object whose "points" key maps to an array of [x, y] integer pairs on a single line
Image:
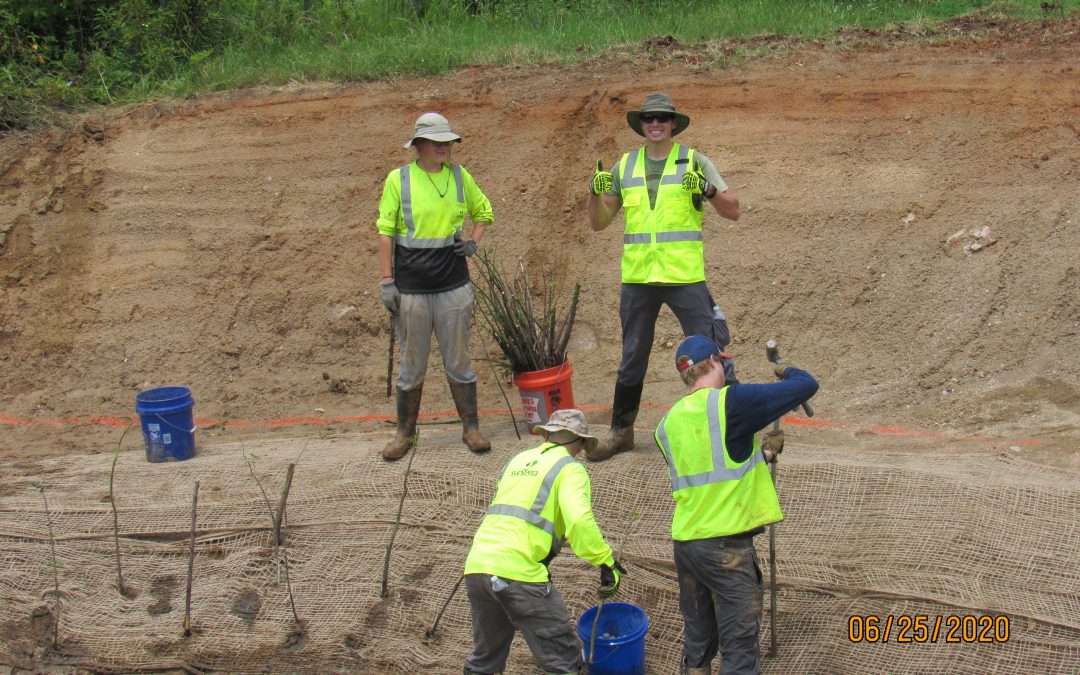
{"points": [[752, 407]]}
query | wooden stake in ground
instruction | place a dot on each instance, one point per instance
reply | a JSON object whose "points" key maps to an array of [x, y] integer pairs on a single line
{"points": [[634, 515], [191, 562], [115, 521], [40, 487], [397, 521]]}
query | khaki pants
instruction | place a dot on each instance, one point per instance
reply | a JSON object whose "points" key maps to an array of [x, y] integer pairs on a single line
{"points": [[449, 314]]}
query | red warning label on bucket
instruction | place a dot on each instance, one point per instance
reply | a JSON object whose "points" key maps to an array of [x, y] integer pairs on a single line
{"points": [[532, 404]]}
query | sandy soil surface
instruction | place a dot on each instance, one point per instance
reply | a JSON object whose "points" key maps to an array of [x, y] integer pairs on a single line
{"points": [[909, 235]]}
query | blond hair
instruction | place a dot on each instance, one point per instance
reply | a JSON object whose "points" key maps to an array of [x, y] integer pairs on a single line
{"points": [[691, 374]]}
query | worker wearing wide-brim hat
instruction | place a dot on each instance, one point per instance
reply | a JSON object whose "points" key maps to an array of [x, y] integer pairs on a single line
{"points": [[724, 496], [423, 252], [661, 188], [543, 497]]}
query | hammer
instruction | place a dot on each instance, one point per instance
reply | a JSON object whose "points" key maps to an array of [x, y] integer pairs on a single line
{"points": [[772, 352]]}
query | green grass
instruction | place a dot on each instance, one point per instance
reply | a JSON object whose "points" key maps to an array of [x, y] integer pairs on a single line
{"points": [[248, 42]]}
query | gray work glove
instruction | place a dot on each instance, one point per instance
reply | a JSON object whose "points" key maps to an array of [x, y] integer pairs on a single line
{"points": [[610, 578], [773, 441], [465, 247], [391, 298], [602, 181]]}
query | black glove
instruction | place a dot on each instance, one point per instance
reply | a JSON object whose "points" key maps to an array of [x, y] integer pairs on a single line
{"points": [[610, 578], [391, 298], [773, 441], [602, 181], [465, 247]]}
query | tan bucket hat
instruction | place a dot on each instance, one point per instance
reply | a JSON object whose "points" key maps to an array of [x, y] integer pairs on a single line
{"points": [[657, 102], [432, 126], [572, 420]]}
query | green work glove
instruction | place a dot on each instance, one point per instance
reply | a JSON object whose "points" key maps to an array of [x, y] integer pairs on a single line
{"points": [[610, 578], [602, 181], [773, 441], [694, 182]]}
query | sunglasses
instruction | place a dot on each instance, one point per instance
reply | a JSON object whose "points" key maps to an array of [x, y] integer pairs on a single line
{"points": [[649, 119]]}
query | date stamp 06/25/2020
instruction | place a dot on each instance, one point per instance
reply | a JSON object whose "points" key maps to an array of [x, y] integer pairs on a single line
{"points": [[926, 628]]}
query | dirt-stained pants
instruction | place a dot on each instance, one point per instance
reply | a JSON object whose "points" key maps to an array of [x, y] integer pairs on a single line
{"points": [[537, 610], [449, 314], [639, 305], [721, 598]]}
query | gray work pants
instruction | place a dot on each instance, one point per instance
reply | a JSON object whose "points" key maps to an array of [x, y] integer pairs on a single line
{"points": [[449, 314], [721, 598], [537, 610], [639, 305]]}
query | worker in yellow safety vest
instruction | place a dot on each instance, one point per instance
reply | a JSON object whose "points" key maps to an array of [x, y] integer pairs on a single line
{"points": [[423, 251], [724, 496], [543, 498], [661, 188]]}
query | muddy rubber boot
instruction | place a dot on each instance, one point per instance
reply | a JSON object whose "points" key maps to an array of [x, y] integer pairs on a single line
{"points": [[408, 409], [624, 411], [465, 400]]}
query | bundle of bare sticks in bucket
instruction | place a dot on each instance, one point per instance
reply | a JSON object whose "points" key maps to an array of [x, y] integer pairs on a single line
{"points": [[525, 322], [533, 335]]}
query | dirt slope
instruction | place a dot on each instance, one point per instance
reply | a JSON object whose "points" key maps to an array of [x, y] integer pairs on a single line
{"points": [[227, 243]]}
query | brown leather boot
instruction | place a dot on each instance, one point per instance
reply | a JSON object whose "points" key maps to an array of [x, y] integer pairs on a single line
{"points": [[408, 409], [465, 400], [624, 411]]}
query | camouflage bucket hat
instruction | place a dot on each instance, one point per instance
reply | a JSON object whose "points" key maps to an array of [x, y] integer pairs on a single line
{"points": [[572, 420]]}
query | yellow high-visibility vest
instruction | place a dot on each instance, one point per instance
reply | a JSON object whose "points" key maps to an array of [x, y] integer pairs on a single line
{"points": [[661, 244], [541, 494], [714, 495]]}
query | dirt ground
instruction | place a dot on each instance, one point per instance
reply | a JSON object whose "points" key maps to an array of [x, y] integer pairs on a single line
{"points": [[909, 235]]}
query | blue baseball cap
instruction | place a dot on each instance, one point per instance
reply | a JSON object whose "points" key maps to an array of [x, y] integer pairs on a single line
{"points": [[697, 348]]}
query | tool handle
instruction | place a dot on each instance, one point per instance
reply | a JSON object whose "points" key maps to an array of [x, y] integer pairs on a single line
{"points": [[772, 353]]}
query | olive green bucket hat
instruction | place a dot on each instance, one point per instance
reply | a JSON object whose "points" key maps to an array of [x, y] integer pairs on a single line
{"points": [[432, 126], [657, 103]]}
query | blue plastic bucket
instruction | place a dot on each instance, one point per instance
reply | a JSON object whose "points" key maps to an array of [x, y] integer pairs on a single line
{"points": [[167, 423], [620, 639]]}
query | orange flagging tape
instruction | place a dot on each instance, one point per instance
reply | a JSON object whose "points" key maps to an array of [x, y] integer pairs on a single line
{"points": [[293, 421]]}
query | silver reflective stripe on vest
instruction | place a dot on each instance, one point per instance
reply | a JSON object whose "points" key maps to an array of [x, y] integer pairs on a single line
{"points": [[680, 168], [640, 238], [409, 239], [532, 515], [628, 180], [685, 235], [720, 472]]}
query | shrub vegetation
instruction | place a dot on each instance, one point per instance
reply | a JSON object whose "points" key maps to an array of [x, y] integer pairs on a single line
{"points": [[65, 55]]}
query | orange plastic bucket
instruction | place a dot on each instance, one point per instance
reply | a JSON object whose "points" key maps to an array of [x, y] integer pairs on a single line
{"points": [[545, 391]]}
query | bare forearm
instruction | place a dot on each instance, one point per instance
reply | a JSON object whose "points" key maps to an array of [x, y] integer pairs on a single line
{"points": [[478, 229], [726, 204], [386, 245], [602, 210]]}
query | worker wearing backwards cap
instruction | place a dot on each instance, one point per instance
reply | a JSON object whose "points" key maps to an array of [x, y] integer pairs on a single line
{"points": [[662, 188], [543, 498], [723, 496]]}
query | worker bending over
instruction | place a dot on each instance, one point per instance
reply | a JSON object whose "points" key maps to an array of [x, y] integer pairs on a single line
{"points": [[543, 498]]}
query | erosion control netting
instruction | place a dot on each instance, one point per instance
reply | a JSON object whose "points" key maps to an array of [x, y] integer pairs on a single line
{"points": [[865, 535]]}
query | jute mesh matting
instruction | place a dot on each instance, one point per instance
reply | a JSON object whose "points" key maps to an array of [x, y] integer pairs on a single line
{"points": [[883, 535]]}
